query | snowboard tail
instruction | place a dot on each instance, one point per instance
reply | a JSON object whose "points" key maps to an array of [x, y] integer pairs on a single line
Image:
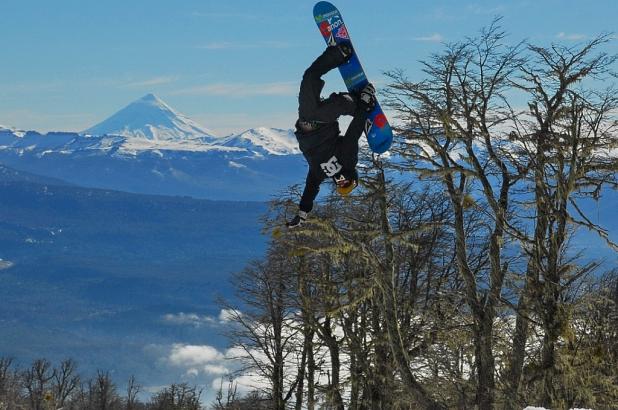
{"points": [[334, 31]]}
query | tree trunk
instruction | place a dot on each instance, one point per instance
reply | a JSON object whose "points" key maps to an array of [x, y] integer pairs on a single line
{"points": [[518, 352], [277, 322], [524, 310], [333, 348], [484, 358], [300, 386], [378, 390], [388, 304], [311, 367]]}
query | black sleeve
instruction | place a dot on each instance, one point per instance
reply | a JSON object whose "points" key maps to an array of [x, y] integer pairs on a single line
{"points": [[347, 148], [312, 187], [357, 125]]}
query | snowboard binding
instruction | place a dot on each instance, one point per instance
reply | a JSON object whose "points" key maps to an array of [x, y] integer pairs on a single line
{"points": [[346, 50]]}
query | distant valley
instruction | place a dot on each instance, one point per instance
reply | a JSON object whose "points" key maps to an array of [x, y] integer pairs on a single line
{"points": [[107, 232], [89, 273]]}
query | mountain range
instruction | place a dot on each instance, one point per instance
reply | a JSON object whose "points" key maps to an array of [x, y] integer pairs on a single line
{"points": [[148, 147]]}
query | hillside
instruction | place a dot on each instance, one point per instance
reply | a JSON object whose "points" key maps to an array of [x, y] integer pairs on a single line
{"points": [[90, 273]]}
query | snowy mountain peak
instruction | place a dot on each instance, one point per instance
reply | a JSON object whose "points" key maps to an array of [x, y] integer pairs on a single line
{"points": [[153, 98], [151, 118], [12, 131], [262, 140]]}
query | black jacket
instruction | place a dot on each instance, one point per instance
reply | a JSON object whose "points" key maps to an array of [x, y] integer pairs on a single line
{"points": [[328, 153]]}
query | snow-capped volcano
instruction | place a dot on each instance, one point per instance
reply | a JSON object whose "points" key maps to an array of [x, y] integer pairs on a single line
{"points": [[148, 147], [151, 118], [264, 140]]}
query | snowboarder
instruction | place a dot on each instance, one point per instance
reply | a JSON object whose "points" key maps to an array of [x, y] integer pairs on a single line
{"points": [[328, 153]]}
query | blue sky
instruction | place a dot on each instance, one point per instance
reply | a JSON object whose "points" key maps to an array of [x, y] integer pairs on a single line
{"points": [[232, 65]]}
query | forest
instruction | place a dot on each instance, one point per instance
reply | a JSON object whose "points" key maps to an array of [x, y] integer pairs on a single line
{"points": [[453, 279]]}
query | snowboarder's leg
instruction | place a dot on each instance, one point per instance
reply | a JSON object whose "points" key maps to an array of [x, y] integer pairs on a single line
{"points": [[309, 102]]}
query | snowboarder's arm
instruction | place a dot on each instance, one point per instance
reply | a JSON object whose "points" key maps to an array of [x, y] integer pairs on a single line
{"points": [[357, 125], [365, 102], [349, 144], [312, 187]]}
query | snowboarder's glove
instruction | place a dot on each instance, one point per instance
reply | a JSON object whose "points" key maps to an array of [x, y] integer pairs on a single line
{"points": [[298, 220], [367, 97]]}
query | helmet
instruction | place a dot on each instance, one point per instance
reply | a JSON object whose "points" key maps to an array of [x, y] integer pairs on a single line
{"points": [[346, 182], [347, 187]]}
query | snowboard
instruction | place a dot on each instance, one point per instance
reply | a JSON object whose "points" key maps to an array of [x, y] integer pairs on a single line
{"points": [[377, 129]]}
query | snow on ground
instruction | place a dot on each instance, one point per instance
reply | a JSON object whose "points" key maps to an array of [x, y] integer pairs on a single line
{"points": [[5, 264], [272, 141], [543, 408], [132, 145]]}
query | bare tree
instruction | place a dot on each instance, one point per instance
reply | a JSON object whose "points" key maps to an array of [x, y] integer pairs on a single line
{"points": [[404, 295], [106, 396], [10, 385], [358, 249], [231, 395], [565, 142], [133, 389], [455, 133], [65, 382], [177, 397], [264, 332], [37, 381]]}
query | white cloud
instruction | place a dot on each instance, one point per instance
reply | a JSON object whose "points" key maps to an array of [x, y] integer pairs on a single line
{"points": [[193, 372], [196, 320], [571, 36], [433, 38], [235, 353], [227, 315], [153, 81], [192, 319], [242, 89], [193, 355], [244, 383], [216, 369], [230, 45], [486, 9], [224, 15], [27, 119]]}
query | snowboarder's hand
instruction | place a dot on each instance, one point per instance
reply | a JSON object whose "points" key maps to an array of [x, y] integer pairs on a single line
{"points": [[367, 97], [298, 220]]}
